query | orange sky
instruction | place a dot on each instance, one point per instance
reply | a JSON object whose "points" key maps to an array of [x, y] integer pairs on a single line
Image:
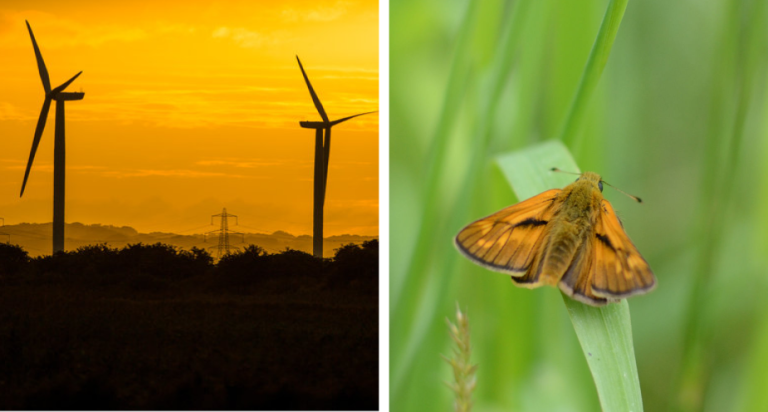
{"points": [[192, 106]]}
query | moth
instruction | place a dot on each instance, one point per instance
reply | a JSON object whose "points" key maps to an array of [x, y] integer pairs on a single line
{"points": [[569, 238]]}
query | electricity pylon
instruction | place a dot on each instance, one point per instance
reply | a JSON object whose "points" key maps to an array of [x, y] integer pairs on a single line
{"points": [[224, 248], [5, 234]]}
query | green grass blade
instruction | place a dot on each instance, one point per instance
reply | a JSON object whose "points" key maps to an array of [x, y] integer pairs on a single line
{"points": [[745, 28], [417, 297], [528, 170], [598, 57], [754, 397], [605, 333]]}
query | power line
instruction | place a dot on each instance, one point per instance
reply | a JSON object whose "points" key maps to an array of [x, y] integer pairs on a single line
{"points": [[196, 228], [253, 228]]}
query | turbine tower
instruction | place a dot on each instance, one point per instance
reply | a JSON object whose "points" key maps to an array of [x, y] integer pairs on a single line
{"points": [[322, 154], [60, 96]]}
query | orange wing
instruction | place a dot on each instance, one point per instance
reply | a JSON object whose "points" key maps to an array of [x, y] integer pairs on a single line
{"points": [[508, 240], [577, 280], [618, 270]]}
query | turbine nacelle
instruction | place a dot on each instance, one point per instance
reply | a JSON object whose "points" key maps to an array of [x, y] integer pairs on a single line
{"points": [[59, 94], [64, 96], [327, 125], [314, 125]]}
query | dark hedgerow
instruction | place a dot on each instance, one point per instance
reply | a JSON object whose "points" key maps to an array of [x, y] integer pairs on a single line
{"points": [[252, 259], [12, 259], [256, 264], [242, 272], [91, 260], [294, 263], [165, 261], [362, 260], [254, 270], [100, 262], [87, 261], [356, 266], [249, 270]]}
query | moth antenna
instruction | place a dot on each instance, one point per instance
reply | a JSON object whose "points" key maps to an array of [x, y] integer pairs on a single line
{"points": [[554, 169], [635, 198]]}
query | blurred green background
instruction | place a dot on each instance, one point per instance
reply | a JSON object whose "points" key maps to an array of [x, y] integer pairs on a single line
{"points": [[679, 118]]}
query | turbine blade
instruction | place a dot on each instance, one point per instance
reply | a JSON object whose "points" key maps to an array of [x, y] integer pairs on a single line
{"points": [[40, 62], [335, 122], [36, 141], [315, 99], [67, 83]]}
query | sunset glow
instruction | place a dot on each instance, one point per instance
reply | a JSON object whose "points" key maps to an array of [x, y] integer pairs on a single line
{"points": [[191, 107]]}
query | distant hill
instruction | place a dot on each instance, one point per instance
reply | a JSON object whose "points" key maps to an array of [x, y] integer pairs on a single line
{"points": [[36, 238]]}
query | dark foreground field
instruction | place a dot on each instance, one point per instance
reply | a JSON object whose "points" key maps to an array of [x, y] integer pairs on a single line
{"points": [[135, 339]]}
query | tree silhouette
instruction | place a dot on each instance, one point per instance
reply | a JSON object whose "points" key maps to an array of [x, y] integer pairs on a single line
{"points": [[13, 259], [251, 260], [357, 266], [253, 270], [165, 261]]}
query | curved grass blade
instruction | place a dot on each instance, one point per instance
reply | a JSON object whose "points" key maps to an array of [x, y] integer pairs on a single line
{"points": [[605, 333]]}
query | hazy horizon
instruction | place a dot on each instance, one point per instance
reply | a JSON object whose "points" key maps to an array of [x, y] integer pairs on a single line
{"points": [[188, 232], [36, 238], [170, 218]]}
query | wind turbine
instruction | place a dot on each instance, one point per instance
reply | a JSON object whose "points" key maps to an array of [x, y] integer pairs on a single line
{"points": [[322, 154], [60, 96]]}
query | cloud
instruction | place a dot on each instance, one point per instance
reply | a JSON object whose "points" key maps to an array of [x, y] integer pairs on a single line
{"points": [[318, 14], [60, 32], [244, 37], [200, 91], [48, 167], [242, 164], [182, 173], [84, 168], [37, 167], [192, 108], [355, 203], [222, 32], [10, 112]]}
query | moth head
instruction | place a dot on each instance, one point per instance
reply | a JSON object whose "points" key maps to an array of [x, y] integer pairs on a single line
{"points": [[599, 183], [593, 178]]}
